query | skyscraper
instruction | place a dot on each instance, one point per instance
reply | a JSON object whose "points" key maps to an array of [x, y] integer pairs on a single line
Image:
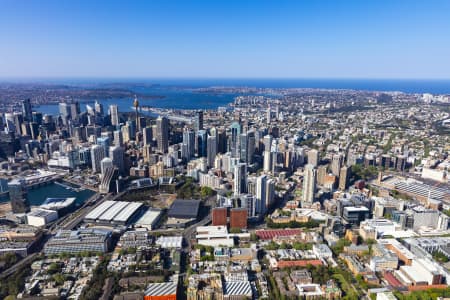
{"points": [[114, 114], [116, 154], [243, 147], [74, 110], [198, 120], [309, 185], [18, 196], [267, 142], [211, 150], [98, 108], [64, 111], [202, 140], [105, 143], [344, 175], [240, 178], [27, 110], [97, 154], [236, 129], [118, 138], [261, 194], [188, 143], [313, 157], [105, 164], [136, 107], [147, 135], [162, 131], [267, 161], [336, 164]]}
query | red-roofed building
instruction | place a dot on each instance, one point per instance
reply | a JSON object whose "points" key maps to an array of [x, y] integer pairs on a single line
{"points": [[394, 282], [298, 263], [269, 234]]}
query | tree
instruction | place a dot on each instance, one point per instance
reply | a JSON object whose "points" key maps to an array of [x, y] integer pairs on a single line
{"points": [[235, 230], [59, 279], [206, 191]]}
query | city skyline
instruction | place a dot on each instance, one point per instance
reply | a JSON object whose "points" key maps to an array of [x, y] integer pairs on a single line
{"points": [[386, 39]]}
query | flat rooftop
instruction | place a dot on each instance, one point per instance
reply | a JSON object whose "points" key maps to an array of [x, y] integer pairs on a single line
{"points": [[184, 209]]}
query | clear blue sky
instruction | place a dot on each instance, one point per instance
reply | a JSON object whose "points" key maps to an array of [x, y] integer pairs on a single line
{"points": [[219, 39]]}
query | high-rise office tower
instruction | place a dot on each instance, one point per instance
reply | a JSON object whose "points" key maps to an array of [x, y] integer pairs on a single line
{"points": [[313, 157], [9, 121], [261, 194], [336, 164], [132, 125], [188, 143], [243, 147], [321, 173], [147, 135], [267, 161], [118, 138], [202, 140], [270, 192], [74, 110], [162, 135], [343, 177], [136, 107], [37, 117], [109, 182], [269, 115], [98, 108], [116, 154], [240, 178], [64, 110], [309, 185], [267, 142], [198, 120], [211, 150], [18, 197], [104, 141], [18, 121], [105, 164], [114, 114], [85, 156], [126, 133], [97, 154], [27, 110], [236, 130]]}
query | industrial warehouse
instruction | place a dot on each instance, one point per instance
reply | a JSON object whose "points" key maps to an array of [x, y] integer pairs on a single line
{"points": [[114, 213]]}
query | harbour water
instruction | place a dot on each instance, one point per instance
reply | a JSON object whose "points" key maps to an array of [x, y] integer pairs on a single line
{"points": [[181, 94]]}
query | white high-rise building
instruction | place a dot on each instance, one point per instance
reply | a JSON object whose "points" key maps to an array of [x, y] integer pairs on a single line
{"points": [[97, 154], [309, 184], [267, 161], [188, 144], [114, 113], [116, 154], [118, 138], [313, 157], [267, 142], [105, 164]]}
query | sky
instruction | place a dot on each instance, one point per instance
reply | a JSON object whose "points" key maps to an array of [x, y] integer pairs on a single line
{"points": [[225, 39]]}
